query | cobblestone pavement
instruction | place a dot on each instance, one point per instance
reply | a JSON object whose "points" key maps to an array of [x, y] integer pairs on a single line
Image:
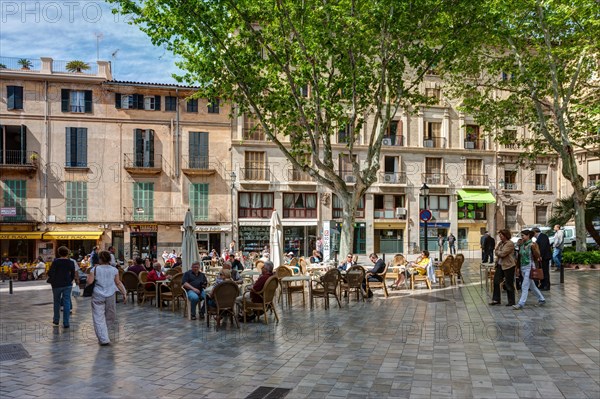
{"points": [[422, 344]]}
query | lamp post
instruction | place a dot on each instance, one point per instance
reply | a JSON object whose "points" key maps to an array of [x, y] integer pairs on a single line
{"points": [[424, 190], [233, 177]]}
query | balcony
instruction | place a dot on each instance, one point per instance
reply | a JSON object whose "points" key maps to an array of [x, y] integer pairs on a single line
{"points": [[20, 214], [434, 142], [391, 141], [435, 178], [542, 187], [199, 165], [392, 178], [261, 213], [298, 176], [474, 144], [475, 180], [19, 161], [262, 174], [254, 133], [170, 215], [511, 186], [138, 164]]}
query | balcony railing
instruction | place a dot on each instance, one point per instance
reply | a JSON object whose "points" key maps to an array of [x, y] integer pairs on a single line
{"points": [[171, 214], [255, 133], [14, 158], [434, 178], [475, 180], [143, 163], [13, 63], [397, 140], [475, 144], [541, 187], [392, 177], [299, 213], [295, 175], [511, 146], [257, 174], [199, 165], [255, 212], [511, 186], [434, 142], [21, 214]]}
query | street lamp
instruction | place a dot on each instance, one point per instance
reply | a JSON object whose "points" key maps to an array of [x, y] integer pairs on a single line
{"points": [[424, 190], [233, 177]]}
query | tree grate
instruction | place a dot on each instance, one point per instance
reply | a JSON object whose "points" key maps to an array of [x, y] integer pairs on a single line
{"points": [[13, 352], [268, 393]]}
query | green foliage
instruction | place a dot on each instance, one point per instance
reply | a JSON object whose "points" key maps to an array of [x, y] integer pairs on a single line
{"points": [[77, 66], [581, 258], [25, 63]]}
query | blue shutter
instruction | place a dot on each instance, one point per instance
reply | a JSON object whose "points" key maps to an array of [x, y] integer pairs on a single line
{"points": [[88, 101], [24, 159], [138, 147], [150, 148], [157, 103], [68, 147], [65, 96], [82, 147], [14, 97], [118, 100], [140, 102]]}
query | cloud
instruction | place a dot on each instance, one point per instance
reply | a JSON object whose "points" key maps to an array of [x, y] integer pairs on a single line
{"points": [[67, 30]]}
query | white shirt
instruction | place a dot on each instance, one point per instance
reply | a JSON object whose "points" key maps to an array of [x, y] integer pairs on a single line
{"points": [[104, 276]]}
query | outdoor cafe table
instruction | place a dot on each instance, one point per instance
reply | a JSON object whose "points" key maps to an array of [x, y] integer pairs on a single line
{"points": [[159, 283], [289, 279], [484, 272]]}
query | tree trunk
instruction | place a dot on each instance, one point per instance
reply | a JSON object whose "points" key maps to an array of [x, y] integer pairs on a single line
{"points": [[579, 196], [593, 232], [347, 234]]}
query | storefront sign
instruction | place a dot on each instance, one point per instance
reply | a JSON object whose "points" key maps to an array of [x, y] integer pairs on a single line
{"points": [[211, 229], [326, 241], [10, 211], [144, 228]]}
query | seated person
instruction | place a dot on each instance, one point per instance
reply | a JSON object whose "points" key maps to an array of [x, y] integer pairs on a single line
{"points": [[137, 267], [250, 294], [288, 258], [40, 268], [236, 264], [204, 257], [346, 264], [419, 266], [177, 262], [7, 263], [194, 281], [316, 257], [224, 275], [157, 275], [235, 275], [372, 275], [148, 265]]}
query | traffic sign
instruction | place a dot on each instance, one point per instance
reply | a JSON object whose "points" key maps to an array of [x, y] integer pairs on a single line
{"points": [[425, 215]]}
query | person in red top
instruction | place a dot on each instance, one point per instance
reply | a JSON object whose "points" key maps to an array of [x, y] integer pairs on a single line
{"points": [[250, 294], [156, 275]]}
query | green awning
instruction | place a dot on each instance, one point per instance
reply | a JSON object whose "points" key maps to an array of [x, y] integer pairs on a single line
{"points": [[476, 197]]}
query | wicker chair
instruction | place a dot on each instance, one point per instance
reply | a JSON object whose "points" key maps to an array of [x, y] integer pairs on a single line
{"points": [[378, 284], [354, 279], [131, 282], [187, 310], [327, 285], [172, 272], [397, 261], [459, 259], [416, 277], [175, 292], [290, 286], [444, 270], [294, 261], [303, 266], [268, 296], [146, 291], [224, 295]]}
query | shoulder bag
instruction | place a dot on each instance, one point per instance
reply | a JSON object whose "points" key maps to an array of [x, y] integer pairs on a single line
{"points": [[537, 273], [89, 289]]}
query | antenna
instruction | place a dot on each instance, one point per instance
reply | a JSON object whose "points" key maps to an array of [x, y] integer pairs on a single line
{"points": [[99, 36], [114, 57]]}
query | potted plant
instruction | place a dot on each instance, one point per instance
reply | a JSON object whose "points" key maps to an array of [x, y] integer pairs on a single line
{"points": [[2, 66], [77, 66], [34, 158], [25, 63]]}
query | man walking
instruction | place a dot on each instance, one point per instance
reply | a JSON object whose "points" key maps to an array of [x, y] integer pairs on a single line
{"points": [[441, 245], [543, 243], [557, 247], [489, 243], [451, 242]]}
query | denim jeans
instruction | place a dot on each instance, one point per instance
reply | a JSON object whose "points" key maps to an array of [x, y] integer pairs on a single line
{"points": [[557, 257], [62, 296], [525, 271], [194, 299]]}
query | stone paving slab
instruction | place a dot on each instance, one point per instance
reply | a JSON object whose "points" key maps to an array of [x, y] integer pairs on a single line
{"points": [[405, 346]]}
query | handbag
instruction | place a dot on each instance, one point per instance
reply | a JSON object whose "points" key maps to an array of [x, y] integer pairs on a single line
{"points": [[89, 289], [536, 273]]}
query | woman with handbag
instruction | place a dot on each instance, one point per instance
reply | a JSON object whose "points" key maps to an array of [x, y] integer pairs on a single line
{"points": [[104, 310], [529, 254], [505, 269]]}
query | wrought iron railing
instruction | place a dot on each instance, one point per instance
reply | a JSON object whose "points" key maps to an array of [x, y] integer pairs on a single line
{"points": [[434, 178], [18, 157], [474, 144], [171, 214], [392, 177], [140, 160], [434, 142], [295, 175], [475, 180], [258, 174]]}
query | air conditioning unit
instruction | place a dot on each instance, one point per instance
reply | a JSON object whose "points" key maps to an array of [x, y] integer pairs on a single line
{"points": [[389, 178], [386, 141], [469, 145], [400, 212], [350, 179], [51, 218], [428, 143]]}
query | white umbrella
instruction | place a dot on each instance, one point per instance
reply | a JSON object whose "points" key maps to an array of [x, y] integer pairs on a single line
{"points": [[189, 246], [276, 240]]}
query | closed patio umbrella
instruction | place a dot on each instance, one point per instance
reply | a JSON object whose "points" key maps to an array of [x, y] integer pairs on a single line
{"points": [[276, 240], [189, 246]]}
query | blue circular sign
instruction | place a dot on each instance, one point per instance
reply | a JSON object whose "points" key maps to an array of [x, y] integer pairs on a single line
{"points": [[425, 215]]}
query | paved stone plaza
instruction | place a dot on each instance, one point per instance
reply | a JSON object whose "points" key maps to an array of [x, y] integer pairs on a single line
{"points": [[421, 344]]}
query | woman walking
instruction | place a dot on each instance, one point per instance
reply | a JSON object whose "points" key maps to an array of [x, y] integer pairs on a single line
{"points": [[505, 269], [529, 253], [60, 276], [104, 311]]}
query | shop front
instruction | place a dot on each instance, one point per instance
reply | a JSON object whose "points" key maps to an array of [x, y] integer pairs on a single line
{"points": [[19, 245], [472, 207], [80, 243], [389, 237], [301, 240], [253, 238], [210, 237], [142, 241]]}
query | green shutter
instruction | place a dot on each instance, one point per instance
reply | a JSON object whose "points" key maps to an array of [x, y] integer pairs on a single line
{"points": [[76, 201], [198, 150], [143, 199], [199, 201], [15, 195]]}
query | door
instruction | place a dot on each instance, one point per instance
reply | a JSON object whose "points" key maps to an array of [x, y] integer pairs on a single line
{"points": [[198, 150]]}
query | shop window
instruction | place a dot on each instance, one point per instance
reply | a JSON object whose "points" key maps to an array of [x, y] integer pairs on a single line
{"points": [[470, 211], [299, 205], [199, 201], [338, 208], [255, 205], [76, 199]]}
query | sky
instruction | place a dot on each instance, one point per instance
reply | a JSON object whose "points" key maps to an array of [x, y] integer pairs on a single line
{"points": [[67, 30]]}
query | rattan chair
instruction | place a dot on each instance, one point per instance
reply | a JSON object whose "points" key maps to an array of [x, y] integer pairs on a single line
{"points": [[224, 295], [459, 259], [327, 285], [289, 286], [175, 292], [131, 282], [444, 270], [268, 303], [146, 291], [378, 284], [416, 277], [354, 280]]}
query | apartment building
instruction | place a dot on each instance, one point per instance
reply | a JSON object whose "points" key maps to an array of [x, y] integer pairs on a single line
{"points": [[86, 159]]}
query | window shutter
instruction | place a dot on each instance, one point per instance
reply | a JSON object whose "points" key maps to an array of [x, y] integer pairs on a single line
{"points": [[65, 95], [82, 146], [1, 145], [140, 102], [150, 144], [157, 103], [88, 101], [134, 105], [118, 100], [24, 144], [14, 97], [68, 143], [18, 97], [138, 147]]}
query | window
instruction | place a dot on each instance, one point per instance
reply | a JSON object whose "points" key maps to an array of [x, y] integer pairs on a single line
{"points": [[434, 94], [510, 180], [76, 147], [540, 182], [170, 103], [471, 211], [15, 195], [192, 105], [152, 103], [198, 150], [474, 175], [252, 128], [338, 208], [213, 106], [393, 134], [13, 145], [199, 201], [437, 204], [344, 134], [143, 144], [541, 215], [384, 206], [510, 217], [143, 201], [255, 168], [593, 180], [299, 205], [14, 97], [79, 101], [433, 171], [433, 129], [255, 205], [304, 91], [76, 197]]}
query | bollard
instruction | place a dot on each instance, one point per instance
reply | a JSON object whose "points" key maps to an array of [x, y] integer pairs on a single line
{"points": [[562, 274], [10, 282]]}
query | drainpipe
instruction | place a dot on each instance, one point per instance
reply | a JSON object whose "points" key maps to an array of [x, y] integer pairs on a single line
{"points": [[47, 139], [177, 133]]}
